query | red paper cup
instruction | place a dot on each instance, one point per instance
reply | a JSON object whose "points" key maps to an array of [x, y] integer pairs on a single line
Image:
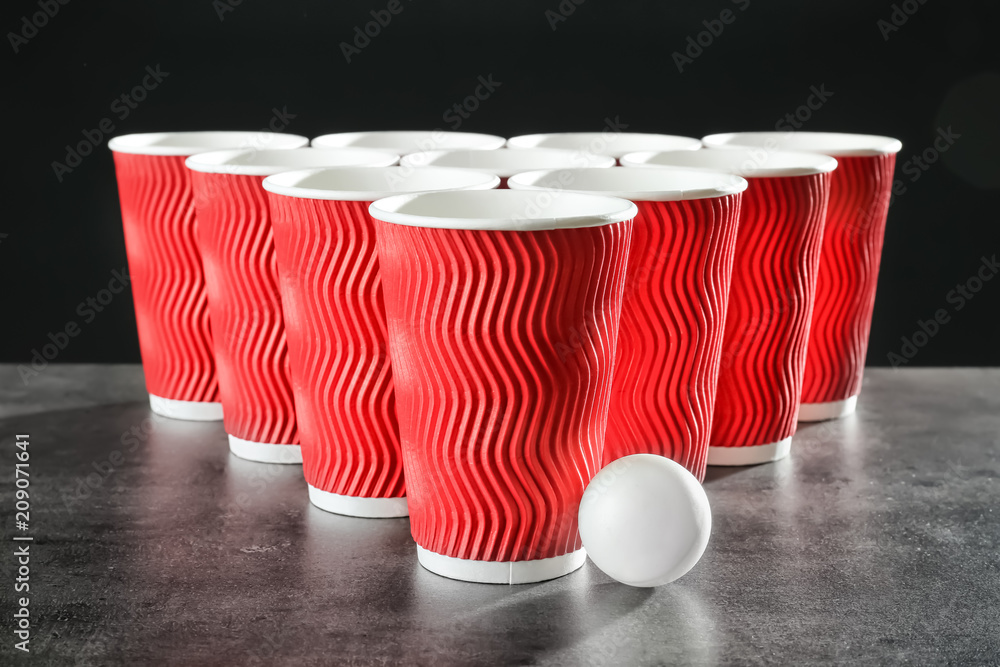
{"points": [[168, 284], [615, 144], [237, 250], [849, 259], [771, 297], [506, 163], [503, 314], [407, 142], [674, 308], [331, 292]]}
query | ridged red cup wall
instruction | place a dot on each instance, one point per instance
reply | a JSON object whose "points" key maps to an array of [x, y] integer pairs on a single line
{"points": [[502, 346], [335, 321], [670, 338], [237, 250], [168, 284], [770, 303], [848, 274]]}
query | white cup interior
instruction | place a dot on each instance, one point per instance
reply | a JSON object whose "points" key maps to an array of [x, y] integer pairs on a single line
{"points": [[503, 210], [664, 184], [249, 162], [605, 143], [745, 162], [190, 143], [371, 183], [405, 142], [506, 163], [837, 144]]}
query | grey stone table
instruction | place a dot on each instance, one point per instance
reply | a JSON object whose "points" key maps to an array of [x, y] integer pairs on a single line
{"points": [[876, 542]]}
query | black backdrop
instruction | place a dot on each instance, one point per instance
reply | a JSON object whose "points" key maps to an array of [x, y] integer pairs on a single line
{"points": [[904, 69]]}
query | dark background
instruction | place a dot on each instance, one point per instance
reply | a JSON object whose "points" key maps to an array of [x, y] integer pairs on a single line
{"points": [[231, 69]]}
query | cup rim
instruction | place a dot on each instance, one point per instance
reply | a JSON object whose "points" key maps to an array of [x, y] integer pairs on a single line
{"points": [[430, 179], [505, 163], [401, 141], [521, 211], [186, 144], [835, 144], [663, 184], [743, 162], [250, 162], [626, 142]]}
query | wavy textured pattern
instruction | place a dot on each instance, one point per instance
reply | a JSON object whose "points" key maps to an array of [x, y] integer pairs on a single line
{"points": [[331, 292], [770, 303], [848, 273], [670, 342], [168, 284], [237, 249], [502, 347]]}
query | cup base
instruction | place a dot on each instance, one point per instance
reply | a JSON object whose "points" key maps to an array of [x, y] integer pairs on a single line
{"points": [[495, 572], [367, 508], [264, 452], [197, 411], [817, 412], [750, 455]]}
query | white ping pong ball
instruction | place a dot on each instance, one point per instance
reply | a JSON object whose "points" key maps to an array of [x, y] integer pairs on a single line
{"points": [[645, 520]]}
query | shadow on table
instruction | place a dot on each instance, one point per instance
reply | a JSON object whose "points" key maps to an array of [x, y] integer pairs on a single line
{"points": [[716, 473], [583, 618], [208, 553]]}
